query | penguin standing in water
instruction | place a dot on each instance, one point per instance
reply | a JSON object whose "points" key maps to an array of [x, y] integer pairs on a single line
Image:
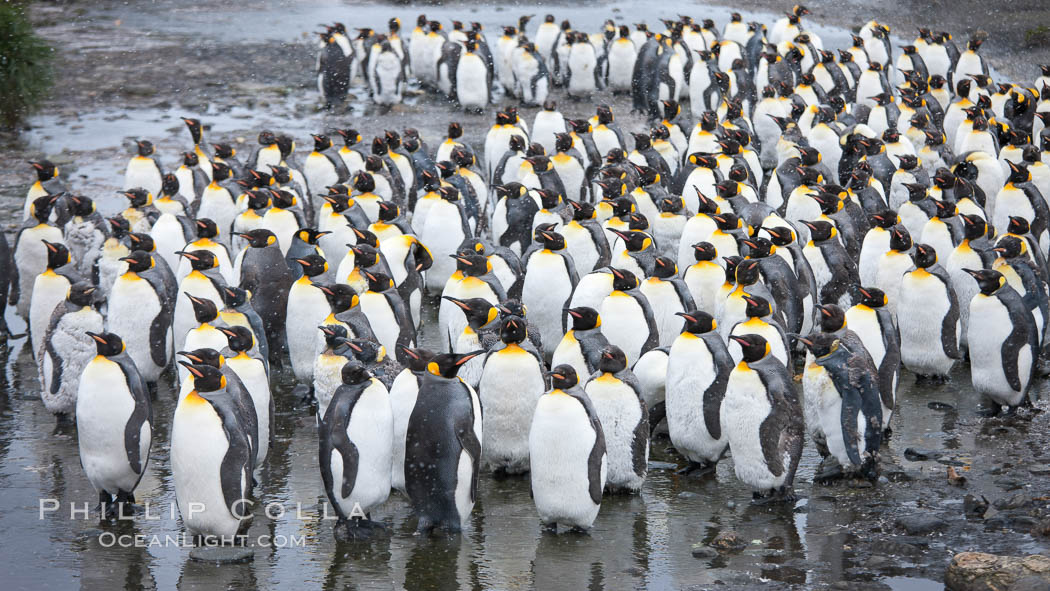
{"points": [[472, 81], [203, 281], [114, 424], [253, 373], [761, 417], [511, 382], [211, 457], [264, 274], [443, 446], [842, 386], [67, 349], [928, 317], [1004, 343], [328, 366], [403, 394], [547, 284], [698, 367], [307, 307], [628, 320], [49, 290], [567, 453], [143, 170], [141, 307], [616, 394], [874, 325], [31, 253], [355, 438], [333, 71]]}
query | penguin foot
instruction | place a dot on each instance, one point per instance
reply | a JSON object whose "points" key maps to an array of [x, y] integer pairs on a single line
{"points": [[698, 469], [830, 470], [550, 528], [931, 380], [579, 530], [988, 410], [784, 494], [886, 435]]}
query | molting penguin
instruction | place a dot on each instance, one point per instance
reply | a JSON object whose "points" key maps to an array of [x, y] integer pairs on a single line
{"points": [[511, 383], [617, 398], [443, 446], [114, 423], [67, 348], [355, 440], [567, 453]]}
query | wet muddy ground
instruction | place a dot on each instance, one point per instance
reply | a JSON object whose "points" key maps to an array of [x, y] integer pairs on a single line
{"points": [[129, 70]]}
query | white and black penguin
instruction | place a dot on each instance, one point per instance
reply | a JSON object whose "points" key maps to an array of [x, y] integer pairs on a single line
{"points": [[512, 217], [114, 424], [387, 77], [1003, 341], [355, 438], [67, 348], [668, 296], [403, 394], [874, 325], [387, 313], [205, 334], [203, 281], [334, 69], [568, 456], [705, 276], [47, 184], [698, 367], [444, 229], [547, 284], [207, 235], [472, 83], [443, 446], [761, 418], [511, 382], [834, 271], [238, 311], [758, 320], [31, 254], [842, 387], [141, 308], [211, 457], [306, 308], [616, 395], [252, 370], [928, 317], [49, 290], [583, 343], [263, 272], [627, 318], [328, 366], [585, 239], [143, 170]]}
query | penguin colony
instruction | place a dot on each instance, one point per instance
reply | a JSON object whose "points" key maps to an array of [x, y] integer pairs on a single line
{"points": [[816, 217]]}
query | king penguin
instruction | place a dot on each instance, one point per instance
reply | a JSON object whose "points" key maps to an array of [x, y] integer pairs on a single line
{"points": [[616, 394]]}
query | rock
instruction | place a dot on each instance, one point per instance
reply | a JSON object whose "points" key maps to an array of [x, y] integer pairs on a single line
{"points": [[685, 494], [1023, 523], [654, 465], [918, 455], [879, 562], [974, 507], [700, 550], [222, 554], [1015, 501], [728, 541], [919, 524], [1042, 529], [1030, 584], [894, 548], [938, 405], [976, 571], [1039, 471]]}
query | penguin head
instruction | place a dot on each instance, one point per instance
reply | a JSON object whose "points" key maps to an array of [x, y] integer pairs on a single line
{"points": [[119, 226], [974, 227], [144, 148], [1018, 226], [512, 190], [447, 365], [758, 247], [820, 230], [142, 241], [697, 322], [512, 307], [872, 297], [81, 293], [780, 235], [205, 377], [916, 191], [378, 282], [748, 272], [704, 251], [411, 144], [613, 360], [220, 171], [449, 193], [1010, 247], [259, 179], [472, 264], [989, 281], [647, 175], [41, 208], [727, 189], [169, 185], [664, 268], [57, 254], [194, 125], [540, 163], [350, 136], [549, 200], [624, 280], [562, 142], [752, 347], [334, 335], [365, 255], [354, 373], [660, 132], [204, 356], [821, 344], [605, 114], [478, 311], [1018, 172], [634, 240], [82, 206], [612, 188], [900, 239], [107, 344], [365, 350], [139, 261], [366, 238], [551, 240], [234, 297], [726, 222], [415, 359], [313, 264], [884, 219], [757, 306], [45, 170], [945, 209], [579, 125], [204, 310], [584, 318], [311, 236], [581, 210], [321, 142], [259, 238], [832, 318], [563, 377], [190, 159], [615, 156], [138, 197], [513, 330], [924, 256], [463, 157], [809, 176], [388, 211], [672, 205], [206, 228], [239, 338], [730, 267]]}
